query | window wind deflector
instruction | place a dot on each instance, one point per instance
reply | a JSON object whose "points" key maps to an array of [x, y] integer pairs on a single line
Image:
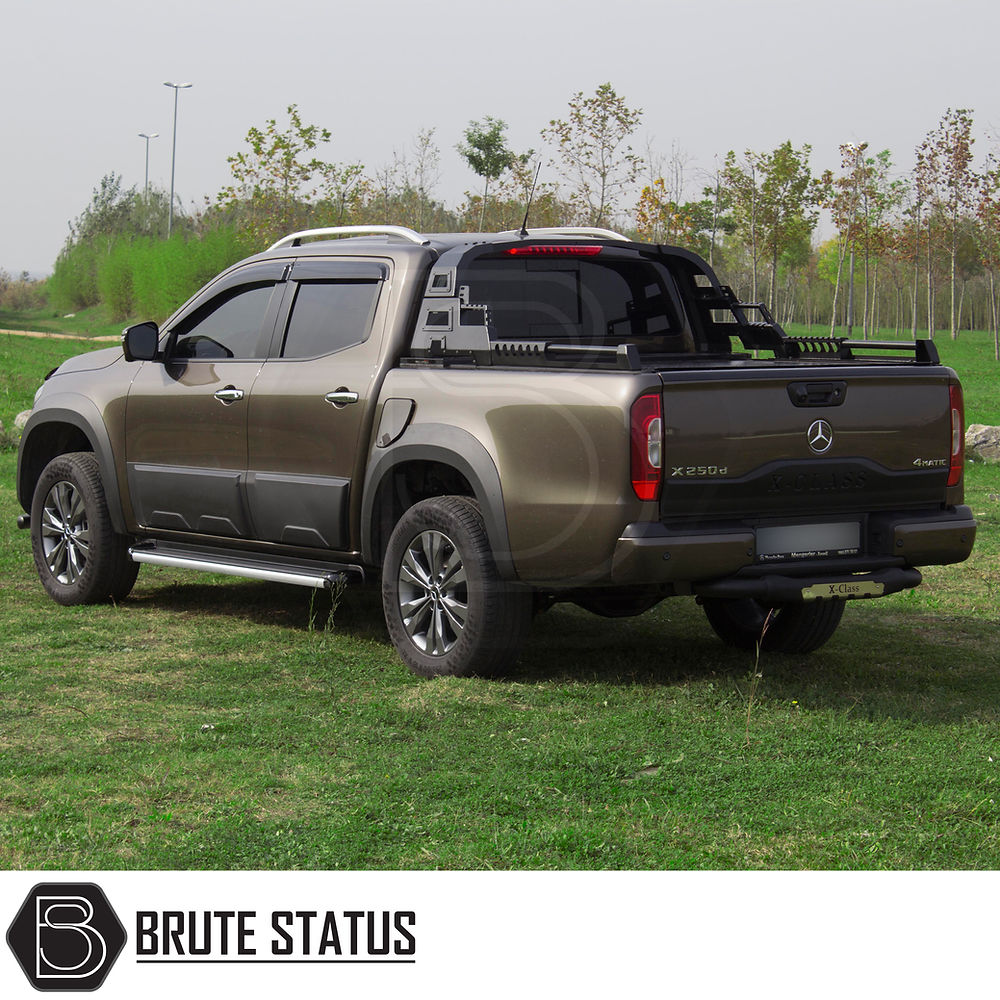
{"points": [[312, 269]]}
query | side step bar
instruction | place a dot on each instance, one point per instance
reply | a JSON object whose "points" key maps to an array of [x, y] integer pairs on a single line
{"points": [[320, 577]]}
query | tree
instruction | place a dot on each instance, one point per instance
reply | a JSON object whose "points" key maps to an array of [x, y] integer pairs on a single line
{"points": [[344, 192], [880, 197], [787, 206], [404, 188], [115, 210], [660, 219], [269, 191], [485, 150], [988, 234], [593, 147], [923, 189], [426, 173], [774, 205], [842, 196], [742, 186], [948, 158]]}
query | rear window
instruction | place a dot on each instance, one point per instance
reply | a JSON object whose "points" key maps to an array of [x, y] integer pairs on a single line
{"points": [[580, 300]]}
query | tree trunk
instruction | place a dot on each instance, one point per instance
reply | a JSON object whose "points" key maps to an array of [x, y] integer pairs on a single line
{"points": [[715, 218], [866, 318], [836, 288], [874, 314], [930, 287], [916, 271], [954, 256], [850, 294], [482, 214], [993, 311]]}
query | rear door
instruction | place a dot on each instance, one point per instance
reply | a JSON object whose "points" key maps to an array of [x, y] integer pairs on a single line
{"points": [[310, 402]]}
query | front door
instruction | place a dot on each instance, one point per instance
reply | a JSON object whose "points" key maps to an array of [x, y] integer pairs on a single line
{"points": [[186, 416]]}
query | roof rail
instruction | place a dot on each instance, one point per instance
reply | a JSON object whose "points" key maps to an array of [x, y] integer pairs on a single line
{"points": [[601, 234], [295, 239]]}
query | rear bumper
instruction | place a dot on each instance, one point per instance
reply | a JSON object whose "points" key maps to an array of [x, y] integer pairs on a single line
{"points": [[722, 561], [775, 589]]}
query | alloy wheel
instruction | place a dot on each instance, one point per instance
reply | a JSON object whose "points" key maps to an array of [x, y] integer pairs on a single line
{"points": [[65, 532], [433, 593]]}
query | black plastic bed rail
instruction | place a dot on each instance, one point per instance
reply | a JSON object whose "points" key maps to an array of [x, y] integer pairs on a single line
{"points": [[766, 334]]}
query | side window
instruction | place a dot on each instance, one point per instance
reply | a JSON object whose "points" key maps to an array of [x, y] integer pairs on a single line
{"points": [[328, 316], [230, 326]]}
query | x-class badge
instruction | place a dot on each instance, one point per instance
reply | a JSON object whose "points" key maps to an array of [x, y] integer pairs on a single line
{"points": [[820, 436]]}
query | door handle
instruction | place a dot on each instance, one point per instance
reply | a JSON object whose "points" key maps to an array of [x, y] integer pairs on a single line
{"points": [[341, 397], [229, 395]]}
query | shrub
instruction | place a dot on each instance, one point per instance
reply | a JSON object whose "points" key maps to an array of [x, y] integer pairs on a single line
{"points": [[114, 279], [73, 284], [21, 294]]}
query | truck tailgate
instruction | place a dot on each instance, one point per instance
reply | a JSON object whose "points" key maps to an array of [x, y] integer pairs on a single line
{"points": [[804, 441]]}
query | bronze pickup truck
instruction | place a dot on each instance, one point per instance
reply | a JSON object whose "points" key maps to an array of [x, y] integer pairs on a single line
{"points": [[492, 422]]}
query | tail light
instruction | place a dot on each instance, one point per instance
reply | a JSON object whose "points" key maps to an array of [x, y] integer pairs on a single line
{"points": [[647, 446], [554, 250], [957, 435]]}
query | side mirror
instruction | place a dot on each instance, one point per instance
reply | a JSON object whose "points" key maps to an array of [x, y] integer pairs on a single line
{"points": [[141, 342]]}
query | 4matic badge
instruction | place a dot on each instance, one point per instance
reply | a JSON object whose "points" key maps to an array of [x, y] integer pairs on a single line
{"points": [[66, 936]]}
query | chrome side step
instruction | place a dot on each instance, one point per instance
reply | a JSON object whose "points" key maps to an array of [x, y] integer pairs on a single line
{"points": [[319, 577]]}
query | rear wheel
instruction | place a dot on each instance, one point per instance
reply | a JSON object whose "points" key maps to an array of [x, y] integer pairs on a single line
{"points": [[794, 628], [447, 609], [80, 558]]}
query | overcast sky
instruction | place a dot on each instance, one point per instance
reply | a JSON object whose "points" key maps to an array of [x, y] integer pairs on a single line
{"points": [[81, 78]]}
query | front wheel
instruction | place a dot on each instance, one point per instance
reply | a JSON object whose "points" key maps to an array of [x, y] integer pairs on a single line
{"points": [[793, 628], [448, 611], [80, 558]]}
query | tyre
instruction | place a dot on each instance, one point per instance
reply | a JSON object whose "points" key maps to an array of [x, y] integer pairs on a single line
{"points": [[80, 558], [794, 628], [447, 610]]}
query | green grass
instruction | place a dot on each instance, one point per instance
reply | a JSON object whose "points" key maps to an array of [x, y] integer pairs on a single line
{"points": [[93, 322], [207, 723]]}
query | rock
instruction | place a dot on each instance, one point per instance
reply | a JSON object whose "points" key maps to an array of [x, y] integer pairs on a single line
{"points": [[21, 419], [982, 443]]}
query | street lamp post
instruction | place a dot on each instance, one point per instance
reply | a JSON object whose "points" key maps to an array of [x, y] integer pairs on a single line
{"points": [[173, 157], [147, 136]]}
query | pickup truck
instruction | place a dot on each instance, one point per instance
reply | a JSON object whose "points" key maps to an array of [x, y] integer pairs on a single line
{"points": [[491, 423]]}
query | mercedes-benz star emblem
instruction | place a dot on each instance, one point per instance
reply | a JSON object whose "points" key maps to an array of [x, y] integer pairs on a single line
{"points": [[819, 436]]}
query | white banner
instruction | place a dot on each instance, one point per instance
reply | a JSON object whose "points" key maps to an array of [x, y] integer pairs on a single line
{"points": [[480, 934]]}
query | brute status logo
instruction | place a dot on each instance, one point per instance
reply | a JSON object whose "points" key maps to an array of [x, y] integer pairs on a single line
{"points": [[66, 936]]}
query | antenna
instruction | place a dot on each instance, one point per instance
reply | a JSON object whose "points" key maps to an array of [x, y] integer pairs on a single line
{"points": [[531, 195]]}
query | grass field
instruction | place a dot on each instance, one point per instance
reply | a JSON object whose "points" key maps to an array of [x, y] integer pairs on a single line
{"points": [[207, 723], [92, 322]]}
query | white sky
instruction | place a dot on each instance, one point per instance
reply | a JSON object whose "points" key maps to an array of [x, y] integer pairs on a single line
{"points": [[81, 78]]}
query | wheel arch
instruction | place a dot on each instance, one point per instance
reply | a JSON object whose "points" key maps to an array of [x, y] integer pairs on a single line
{"points": [[457, 461], [56, 430]]}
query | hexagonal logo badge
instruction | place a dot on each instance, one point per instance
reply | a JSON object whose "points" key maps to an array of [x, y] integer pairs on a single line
{"points": [[66, 936]]}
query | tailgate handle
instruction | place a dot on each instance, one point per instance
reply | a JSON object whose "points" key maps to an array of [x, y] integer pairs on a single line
{"points": [[817, 393]]}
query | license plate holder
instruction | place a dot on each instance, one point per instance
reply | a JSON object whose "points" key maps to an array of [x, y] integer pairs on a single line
{"points": [[844, 589], [798, 542]]}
